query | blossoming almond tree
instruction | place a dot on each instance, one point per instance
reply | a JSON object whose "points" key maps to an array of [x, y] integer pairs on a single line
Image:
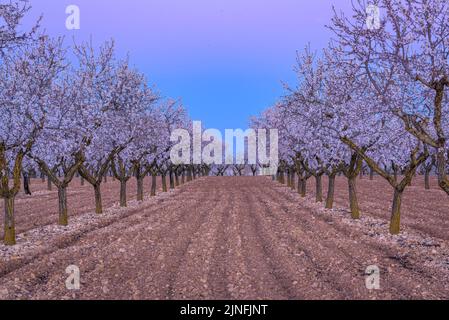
{"points": [[59, 150], [367, 125], [26, 82], [411, 44], [174, 116], [140, 124], [320, 151], [143, 148], [120, 106]]}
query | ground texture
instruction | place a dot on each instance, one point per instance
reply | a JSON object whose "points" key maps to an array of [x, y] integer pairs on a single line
{"points": [[229, 238]]}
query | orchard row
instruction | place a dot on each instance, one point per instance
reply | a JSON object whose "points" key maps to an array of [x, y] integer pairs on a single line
{"points": [[78, 110], [377, 96]]}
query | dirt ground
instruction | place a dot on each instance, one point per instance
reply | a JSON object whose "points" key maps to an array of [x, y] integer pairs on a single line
{"points": [[229, 238], [42, 207]]}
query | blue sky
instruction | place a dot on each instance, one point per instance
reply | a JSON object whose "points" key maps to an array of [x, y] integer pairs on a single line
{"points": [[224, 58]]}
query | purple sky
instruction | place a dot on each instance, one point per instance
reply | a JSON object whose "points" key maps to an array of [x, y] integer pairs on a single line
{"points": [[225, 58]]}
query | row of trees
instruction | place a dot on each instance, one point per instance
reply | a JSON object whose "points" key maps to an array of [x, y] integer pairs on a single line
{"points": [[88, 115], [373, 96]]}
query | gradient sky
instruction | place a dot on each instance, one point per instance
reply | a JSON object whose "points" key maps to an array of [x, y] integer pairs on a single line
{"points": [[225, 58]]}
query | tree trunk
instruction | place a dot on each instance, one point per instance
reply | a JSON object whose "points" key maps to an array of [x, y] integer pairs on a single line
{"points": [[140, 188], [410, 182], [42, 177], [26, 184], [427, 179], [441, 171], [82, 181], [353, 203], [9, 228], [292, 181], [330, 192], [183, 177], [153, 185], [164, 183], [189, 174], [371, 174], [172, 181], [49, 184], [303, 187], [281, 177], [318, 189], [123, 202], [62, 201], [176, 179], [98, 204], [395, 222]]}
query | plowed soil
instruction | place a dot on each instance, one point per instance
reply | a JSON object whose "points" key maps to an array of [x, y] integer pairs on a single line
{"points": [[229, 238]]}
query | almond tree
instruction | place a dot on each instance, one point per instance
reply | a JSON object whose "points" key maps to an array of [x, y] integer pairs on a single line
{"points": [[144, 149], [26, 81], [152, 145], [411, 44], [59, 150], [368, 126], [307, 108], [274, 118], [111, 92], [173, 116], [132, 161], [139, 127]]}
